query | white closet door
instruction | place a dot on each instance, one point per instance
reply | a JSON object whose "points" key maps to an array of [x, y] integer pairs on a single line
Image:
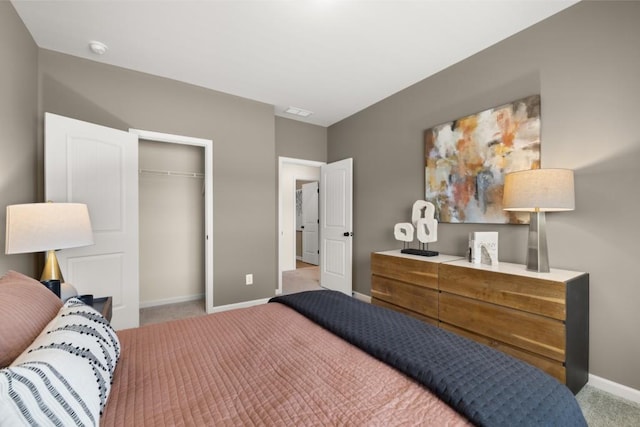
{"points": [[97, 165]]}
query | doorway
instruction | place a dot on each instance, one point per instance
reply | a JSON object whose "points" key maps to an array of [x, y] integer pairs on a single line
{"points": [[336, 220], [202, 149], [171, 223], [291, 172]]}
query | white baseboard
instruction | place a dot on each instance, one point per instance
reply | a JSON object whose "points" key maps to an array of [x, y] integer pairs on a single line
{"points": [[174, 300], [244, 304], [361, 297], [614, 388]]}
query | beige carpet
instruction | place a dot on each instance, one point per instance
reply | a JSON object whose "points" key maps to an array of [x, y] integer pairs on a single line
{"points": [[298, 280], [163, 313], [301, 279], [602, 409]]}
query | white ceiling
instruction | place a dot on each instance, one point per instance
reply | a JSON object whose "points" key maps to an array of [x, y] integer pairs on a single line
{"points": [[331, 57]]}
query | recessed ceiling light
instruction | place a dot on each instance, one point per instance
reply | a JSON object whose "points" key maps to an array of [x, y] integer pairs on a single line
{"points": [[298, 112], [98, 48]]}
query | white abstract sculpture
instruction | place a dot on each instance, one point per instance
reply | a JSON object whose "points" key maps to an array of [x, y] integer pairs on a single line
{"points": [[424, 223], [423, 218], [403, 231]]}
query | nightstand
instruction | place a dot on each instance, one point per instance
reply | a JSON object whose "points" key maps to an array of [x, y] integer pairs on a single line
{"points": [[103, 305]]}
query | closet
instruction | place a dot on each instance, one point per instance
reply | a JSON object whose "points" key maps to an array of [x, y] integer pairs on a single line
{"points": [[171, 223]]}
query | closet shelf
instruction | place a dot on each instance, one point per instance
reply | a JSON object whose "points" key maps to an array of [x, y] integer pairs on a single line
{"points": [[171, 173]]}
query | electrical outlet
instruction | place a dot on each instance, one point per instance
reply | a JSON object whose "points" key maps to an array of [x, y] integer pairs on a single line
{"points": [[248, 280]]}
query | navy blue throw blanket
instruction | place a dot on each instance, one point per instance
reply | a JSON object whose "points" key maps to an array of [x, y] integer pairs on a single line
{"points": [[487, 386]]}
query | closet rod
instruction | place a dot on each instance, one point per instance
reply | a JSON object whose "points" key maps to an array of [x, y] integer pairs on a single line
{"points": [[172, 173]]}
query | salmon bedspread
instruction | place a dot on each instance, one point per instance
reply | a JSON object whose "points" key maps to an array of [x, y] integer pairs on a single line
{"points": [[264, 365]]}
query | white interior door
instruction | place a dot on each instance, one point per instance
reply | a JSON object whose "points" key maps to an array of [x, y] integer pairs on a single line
{"points": [[96, 165], [336, 225], [310, 222]]}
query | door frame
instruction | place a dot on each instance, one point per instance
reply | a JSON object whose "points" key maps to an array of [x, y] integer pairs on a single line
{"points": [[282, 161], [207, 144]]}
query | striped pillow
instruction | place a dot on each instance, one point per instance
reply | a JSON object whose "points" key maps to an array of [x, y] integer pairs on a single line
{"points": [[64, 377]]}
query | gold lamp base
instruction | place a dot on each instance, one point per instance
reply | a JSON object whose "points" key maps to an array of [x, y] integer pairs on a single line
{"points": [[51, 270]]}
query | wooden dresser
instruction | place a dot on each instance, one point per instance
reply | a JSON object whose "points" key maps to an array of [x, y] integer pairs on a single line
{"points": [[407, 283], [541, 318]]}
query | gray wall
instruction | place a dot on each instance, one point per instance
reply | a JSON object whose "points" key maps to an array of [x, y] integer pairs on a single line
{"points": [[244, 165], [18, 118], [300, 140], [585, 63]]}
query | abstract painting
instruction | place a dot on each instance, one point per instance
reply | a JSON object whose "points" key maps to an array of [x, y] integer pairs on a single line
{"points": [[466, 161]]}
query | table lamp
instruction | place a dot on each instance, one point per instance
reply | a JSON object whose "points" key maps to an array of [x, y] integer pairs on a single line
{"points": [[538, 191], [47, 227]]}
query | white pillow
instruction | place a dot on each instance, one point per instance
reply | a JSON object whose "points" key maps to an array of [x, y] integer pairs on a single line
{"points": [[64, 376]]}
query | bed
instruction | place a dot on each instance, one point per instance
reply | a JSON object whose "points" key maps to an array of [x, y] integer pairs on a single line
{"points": [[314, 358]]}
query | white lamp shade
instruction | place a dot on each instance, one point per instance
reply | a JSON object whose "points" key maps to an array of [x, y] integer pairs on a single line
{"points": [[39, 227], [539, 190]]}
